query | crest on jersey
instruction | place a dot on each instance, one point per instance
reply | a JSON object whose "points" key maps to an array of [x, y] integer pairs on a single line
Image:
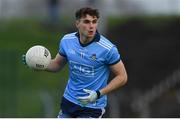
{"points": [[93, 57]]}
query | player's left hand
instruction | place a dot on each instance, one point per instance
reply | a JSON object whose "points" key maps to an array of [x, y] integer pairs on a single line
{"points": [[24, 59], [24, 62], [92, 97]]}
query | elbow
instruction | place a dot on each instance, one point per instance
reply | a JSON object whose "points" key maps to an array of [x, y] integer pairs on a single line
{"points": [[125, 79]]}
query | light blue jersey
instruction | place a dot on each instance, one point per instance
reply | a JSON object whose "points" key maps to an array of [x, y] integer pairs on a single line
{"points": [[88, 66]]}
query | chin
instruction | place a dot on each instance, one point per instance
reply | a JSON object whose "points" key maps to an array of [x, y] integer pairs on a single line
{"points": [[90, 36]]}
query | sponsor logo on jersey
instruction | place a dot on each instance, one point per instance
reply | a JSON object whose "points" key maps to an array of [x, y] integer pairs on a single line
{"points": [[81, 69]]}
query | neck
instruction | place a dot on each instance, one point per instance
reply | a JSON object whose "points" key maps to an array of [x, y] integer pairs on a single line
{"points": [[85, 40]]}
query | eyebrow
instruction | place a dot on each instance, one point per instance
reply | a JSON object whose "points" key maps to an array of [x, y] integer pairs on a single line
{"points": [[87, 21]]}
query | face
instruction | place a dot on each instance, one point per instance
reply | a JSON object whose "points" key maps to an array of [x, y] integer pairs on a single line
{"points": [[87, 26]]}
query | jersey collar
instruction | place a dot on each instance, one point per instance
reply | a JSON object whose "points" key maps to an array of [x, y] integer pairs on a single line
{"points": [[95, 39]]}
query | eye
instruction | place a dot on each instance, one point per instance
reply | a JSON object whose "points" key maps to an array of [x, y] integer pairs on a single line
{"points": [[86, 21], [94, 21]]}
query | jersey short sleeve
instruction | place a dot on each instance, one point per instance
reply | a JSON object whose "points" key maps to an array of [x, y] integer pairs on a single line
{"points": [[62, 48], [113, 56]]}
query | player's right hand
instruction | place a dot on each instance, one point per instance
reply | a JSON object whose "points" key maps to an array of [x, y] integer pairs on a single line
{"points": [[24, 59]]}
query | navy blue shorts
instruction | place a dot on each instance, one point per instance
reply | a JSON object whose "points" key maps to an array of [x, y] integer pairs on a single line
{"points": [[71, 110]]}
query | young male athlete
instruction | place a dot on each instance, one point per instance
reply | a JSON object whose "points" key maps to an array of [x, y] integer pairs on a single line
{"points": [[90, 57]]}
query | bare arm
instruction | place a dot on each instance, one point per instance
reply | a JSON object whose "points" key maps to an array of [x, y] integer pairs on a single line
{"points": [[57, 63], [119, 80]]}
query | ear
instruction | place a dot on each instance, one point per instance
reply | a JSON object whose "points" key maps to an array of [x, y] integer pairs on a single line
{"points": [[77, 23]]}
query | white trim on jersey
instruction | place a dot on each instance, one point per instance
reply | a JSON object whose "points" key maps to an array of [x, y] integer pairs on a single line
{"points": [[105, 44]]}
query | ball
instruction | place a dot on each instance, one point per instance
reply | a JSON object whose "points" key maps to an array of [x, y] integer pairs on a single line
{"points": [[38, 57]]}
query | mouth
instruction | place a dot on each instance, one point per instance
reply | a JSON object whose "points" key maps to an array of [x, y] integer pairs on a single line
{"points": [[90, 32]]}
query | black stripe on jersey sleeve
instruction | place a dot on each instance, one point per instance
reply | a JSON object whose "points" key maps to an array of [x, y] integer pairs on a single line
{"points": [[62, 54], [115, 62]]}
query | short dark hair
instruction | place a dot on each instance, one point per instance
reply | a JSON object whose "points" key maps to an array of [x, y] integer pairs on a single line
{"points": [[86, 11]]}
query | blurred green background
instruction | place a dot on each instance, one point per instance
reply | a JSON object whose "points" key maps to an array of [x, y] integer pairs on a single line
{"points": [[24, 92]]}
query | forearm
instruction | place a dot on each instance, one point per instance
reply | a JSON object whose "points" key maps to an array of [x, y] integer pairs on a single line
{"points": [[53, 66], [56, 64], [114, 84]]}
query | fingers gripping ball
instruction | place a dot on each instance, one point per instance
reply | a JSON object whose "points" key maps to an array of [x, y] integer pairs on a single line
{"points": [[38, 57]]}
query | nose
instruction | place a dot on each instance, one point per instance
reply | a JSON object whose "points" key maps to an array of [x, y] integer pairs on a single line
{"points": [[91, 25]]}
